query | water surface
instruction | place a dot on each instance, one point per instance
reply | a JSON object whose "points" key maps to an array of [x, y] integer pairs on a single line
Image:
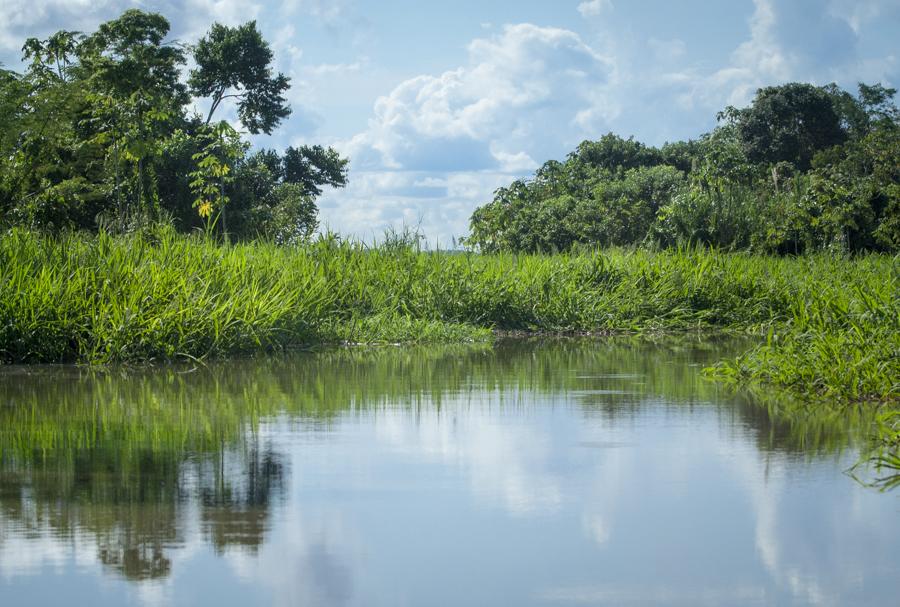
{"points": [[570, 472]]}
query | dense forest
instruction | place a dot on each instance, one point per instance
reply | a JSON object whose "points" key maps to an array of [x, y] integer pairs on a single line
{"points": [[802, 168], [101, 130]]}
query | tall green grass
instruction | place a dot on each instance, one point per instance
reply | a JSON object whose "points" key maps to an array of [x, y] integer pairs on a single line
{"points": [[829, 325], [103, 299], [840, 338], [833, 323]]}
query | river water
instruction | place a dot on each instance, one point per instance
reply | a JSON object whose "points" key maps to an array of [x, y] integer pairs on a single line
{"points": [[560, 472]]}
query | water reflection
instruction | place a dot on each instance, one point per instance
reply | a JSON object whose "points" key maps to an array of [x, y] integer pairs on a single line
{"points": [[535, 473]]}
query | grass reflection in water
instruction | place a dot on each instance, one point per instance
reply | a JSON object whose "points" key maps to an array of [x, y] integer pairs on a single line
{"points": [[122, 454]]}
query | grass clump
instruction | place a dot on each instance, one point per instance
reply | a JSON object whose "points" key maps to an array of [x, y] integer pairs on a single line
{"points": [[840, 339]]}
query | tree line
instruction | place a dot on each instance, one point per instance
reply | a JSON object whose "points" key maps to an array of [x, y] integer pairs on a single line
{"points": [[99, 130], [802, 168]]}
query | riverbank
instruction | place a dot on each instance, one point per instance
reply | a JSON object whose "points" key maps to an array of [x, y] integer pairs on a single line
{"points": [[832, 324]]}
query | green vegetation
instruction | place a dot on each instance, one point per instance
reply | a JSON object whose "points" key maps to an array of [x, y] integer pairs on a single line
{"points": [[803, 169], [97, 133], [832, 322]]}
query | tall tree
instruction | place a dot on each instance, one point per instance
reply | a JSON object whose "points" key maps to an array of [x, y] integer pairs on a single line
{"points": [[873, 107], [52, 58], [48, 178], [235, 62], [134, 82], [788, 123], [128, 55]]}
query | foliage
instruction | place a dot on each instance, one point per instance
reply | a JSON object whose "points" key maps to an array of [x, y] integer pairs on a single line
{"points": [[788, 123], [291, 217], [235, 62], [98, 131], [215, 161], [613, 153], [312, 167], [804, 168]]}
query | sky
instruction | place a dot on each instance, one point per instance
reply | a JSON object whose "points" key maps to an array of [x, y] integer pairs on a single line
{"points": [[439, 103]]}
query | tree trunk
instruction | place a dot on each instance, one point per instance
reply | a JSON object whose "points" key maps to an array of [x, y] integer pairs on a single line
{"points": [[119, 204], [217, 99], [222, 202]]}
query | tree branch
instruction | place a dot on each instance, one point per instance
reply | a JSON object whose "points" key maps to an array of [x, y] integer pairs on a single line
{"points": [[217, 99]]}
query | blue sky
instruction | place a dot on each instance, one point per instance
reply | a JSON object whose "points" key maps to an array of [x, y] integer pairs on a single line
{"points": [[439, 103]]}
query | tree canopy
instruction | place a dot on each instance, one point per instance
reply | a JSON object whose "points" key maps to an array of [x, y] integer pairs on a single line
{"points": [[788, 123], [98, 131], [802, 168], [235, 62]]}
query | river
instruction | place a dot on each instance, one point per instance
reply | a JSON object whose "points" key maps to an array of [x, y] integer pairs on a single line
{"points": [[535, 472]]}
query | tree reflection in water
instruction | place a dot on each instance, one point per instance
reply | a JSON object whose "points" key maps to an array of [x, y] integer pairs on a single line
{"points": [[124, 456]]}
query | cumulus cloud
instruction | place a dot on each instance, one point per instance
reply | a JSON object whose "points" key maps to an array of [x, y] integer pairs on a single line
{"points": [[525, 93], [520, 89], [23, 18], [800, 40]]}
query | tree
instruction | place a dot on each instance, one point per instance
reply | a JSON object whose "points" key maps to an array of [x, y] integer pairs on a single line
{"points": [[290, 216], [49, 176], [612, 153], [52, 58], [872, 108], [313, 167], [234, 62], [127, 56], [788, 123], [96, 131], [135, 89]]}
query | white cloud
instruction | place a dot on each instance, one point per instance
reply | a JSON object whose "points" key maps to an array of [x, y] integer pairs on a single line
{"points": [[519, 89], [340, 18], [856, 12], [189, 18], [336, 69], [439, 203], [592, 8], [326, 12], [796, 40], [527, 92], [799, 40]]}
